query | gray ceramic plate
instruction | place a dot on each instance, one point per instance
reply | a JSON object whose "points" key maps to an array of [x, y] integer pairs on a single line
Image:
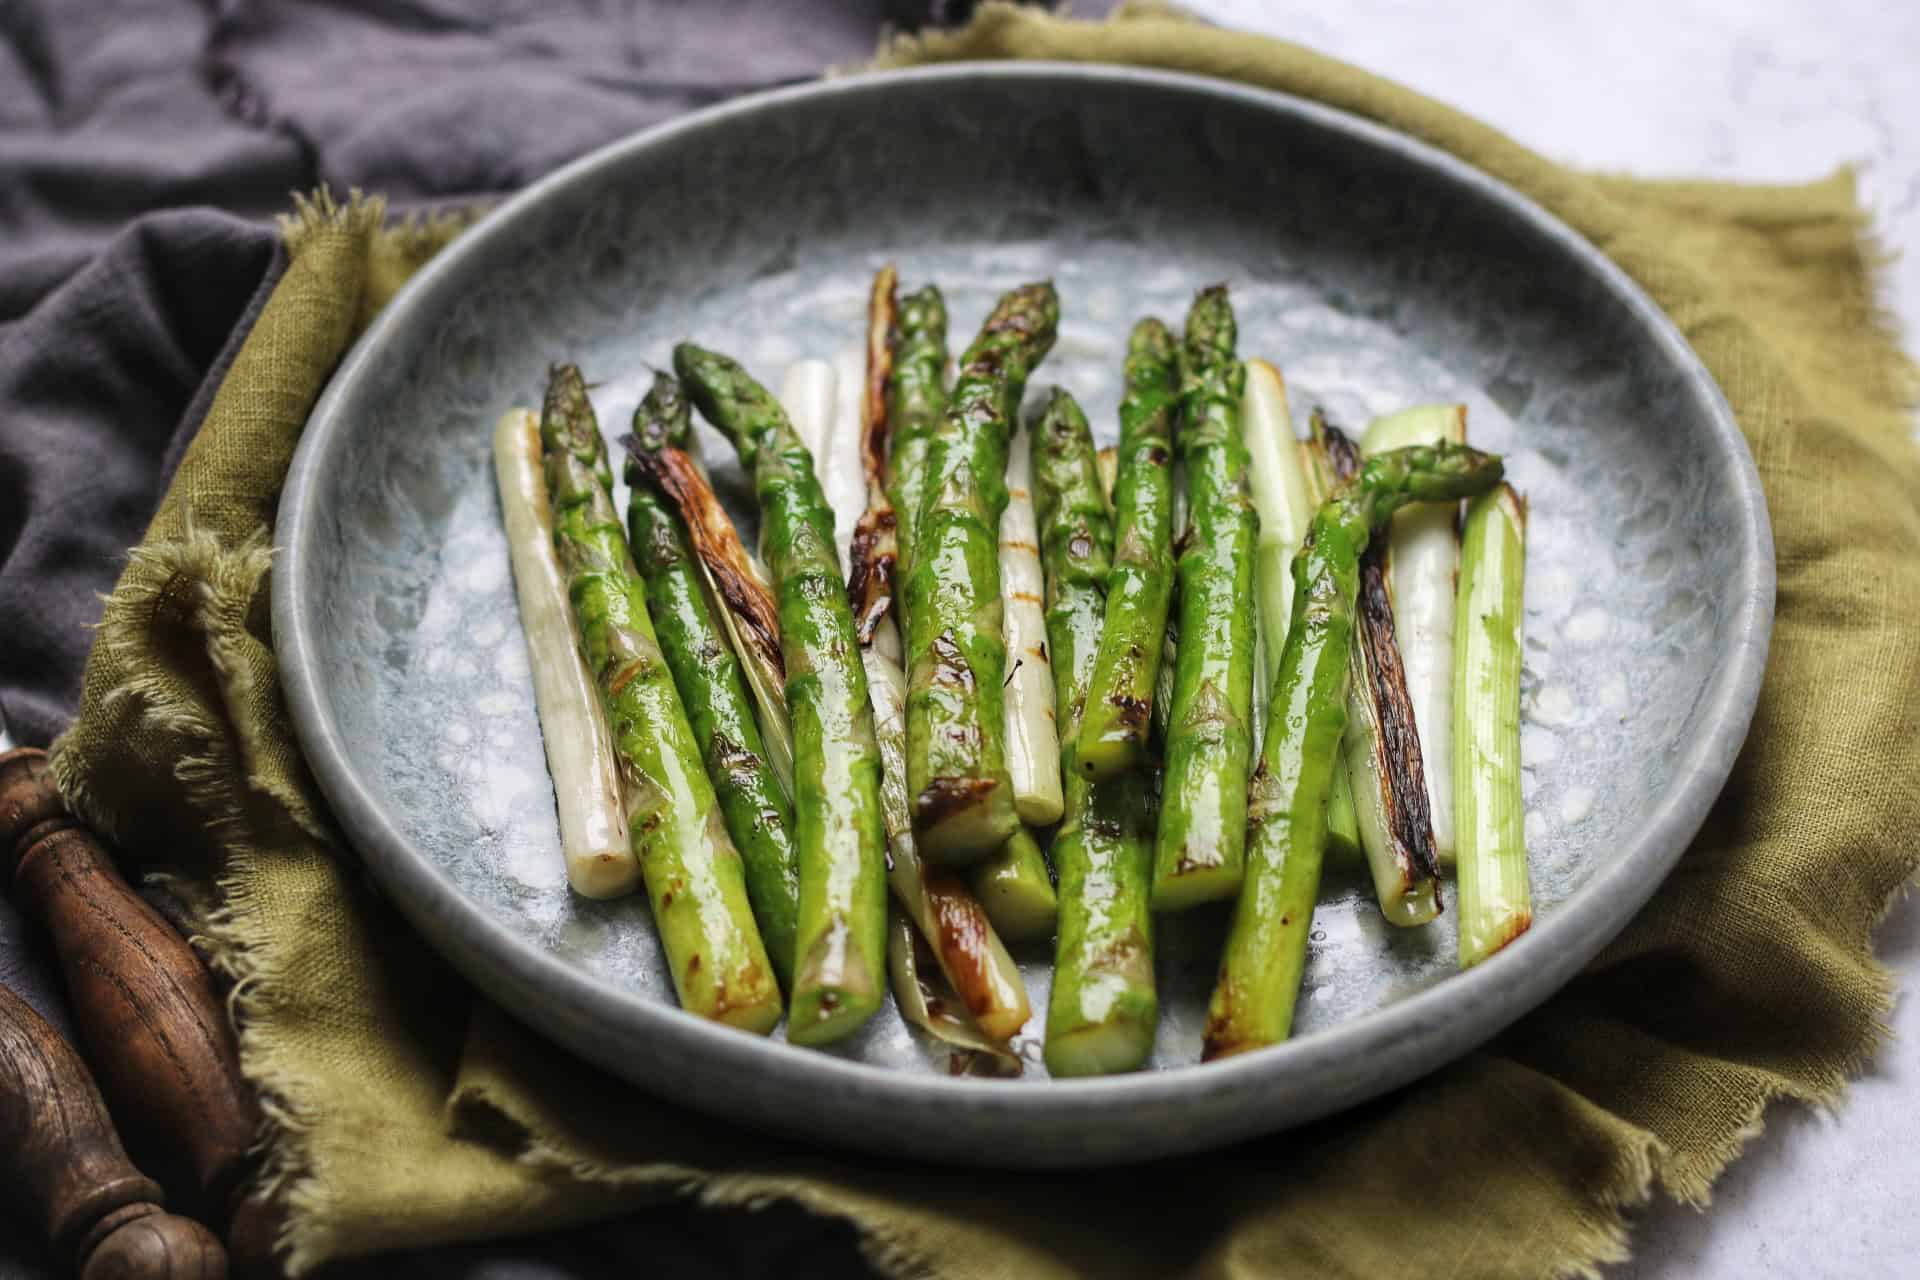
{"points": [[1375, 271]]}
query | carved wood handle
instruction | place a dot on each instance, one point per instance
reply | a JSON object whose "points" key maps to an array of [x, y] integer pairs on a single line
{"points": [[143, 1004], [62, 1165]]}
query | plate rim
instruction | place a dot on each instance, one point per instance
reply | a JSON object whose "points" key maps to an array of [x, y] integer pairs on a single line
{"points": [[1470, 1007]]}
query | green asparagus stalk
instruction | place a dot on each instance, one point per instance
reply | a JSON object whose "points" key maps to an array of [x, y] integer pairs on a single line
{"points": [[708, 676], [692, 872], [1259, 983], [1423, 567], [959, 933], [1381, 746], [1119, 711], [1203, 801], [1343, 824], [956, 753], [1496, 904], [916, 405], [1013, 884], [1103, 1009], [840, 953]]}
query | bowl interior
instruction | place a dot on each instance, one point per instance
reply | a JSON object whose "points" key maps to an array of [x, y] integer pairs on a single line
{"points": [[1374, 277]]}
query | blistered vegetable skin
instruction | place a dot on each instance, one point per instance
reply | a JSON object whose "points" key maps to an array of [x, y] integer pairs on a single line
{"points": [[692, 872], [840, 953]]}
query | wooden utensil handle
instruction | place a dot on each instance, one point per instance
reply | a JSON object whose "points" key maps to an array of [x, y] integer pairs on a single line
{"points": [[143, 1004], [62, 1166]]}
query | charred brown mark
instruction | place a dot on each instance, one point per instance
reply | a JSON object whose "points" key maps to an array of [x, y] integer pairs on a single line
{"points": [[717, 543], [625, 676], [964, 952], [1134, 712], [1221, 1040], [1190, 864], [1157, 456], [883, 310], [728, 758], [943, 798], [873, 558], [1126, 952], [950, 663], [875, 549], [1342, 452], [1409, 816]]}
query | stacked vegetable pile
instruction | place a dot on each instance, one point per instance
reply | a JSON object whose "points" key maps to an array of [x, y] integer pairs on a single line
{"points": [[1020, 636]]}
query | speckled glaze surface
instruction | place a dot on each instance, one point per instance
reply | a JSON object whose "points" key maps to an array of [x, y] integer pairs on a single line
{"points": [[1375, 272]]}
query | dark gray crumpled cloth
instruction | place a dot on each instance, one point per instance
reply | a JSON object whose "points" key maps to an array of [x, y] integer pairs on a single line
{"points": [[144, 147]]}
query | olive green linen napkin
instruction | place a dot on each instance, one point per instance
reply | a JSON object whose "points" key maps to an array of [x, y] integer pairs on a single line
{"points": [[396, 1120]]}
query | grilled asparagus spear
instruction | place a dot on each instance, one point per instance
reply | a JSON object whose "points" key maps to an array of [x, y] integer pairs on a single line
{"points": [[692, 872], [957, 777], [1203, 801], [957, 929], [1119, 702], [840, 952], [916, 404], [707, 674], [1253, 1000], [1103, 1008]]}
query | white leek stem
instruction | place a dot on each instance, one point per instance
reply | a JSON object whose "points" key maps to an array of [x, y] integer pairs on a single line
{"points": [[1423, 561], [1278, 485], [1496, 902], [941, 1014], [1033, 744], [810, 393], [573, 723]]}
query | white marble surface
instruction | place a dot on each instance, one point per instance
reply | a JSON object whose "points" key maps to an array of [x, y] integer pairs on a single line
{"points": [[1757, 90]]}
